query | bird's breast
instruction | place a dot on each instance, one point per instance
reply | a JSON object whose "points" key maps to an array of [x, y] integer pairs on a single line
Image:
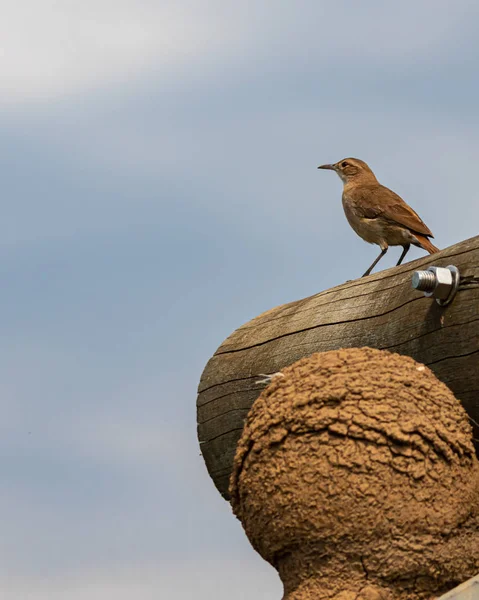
{"points": [[365, 228]]}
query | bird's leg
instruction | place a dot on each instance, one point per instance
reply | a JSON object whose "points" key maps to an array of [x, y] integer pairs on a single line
{"points": [[404, 252], [383, 252]]}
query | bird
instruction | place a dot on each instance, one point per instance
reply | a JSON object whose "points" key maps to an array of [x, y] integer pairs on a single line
{"points": [[377, 214]]}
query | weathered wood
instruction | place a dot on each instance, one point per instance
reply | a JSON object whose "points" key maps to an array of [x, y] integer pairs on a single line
{"points": [[381, 311]]}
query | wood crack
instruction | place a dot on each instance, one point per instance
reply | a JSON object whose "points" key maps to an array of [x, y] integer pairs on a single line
{"points": [[232, 393], [202, 442], [435, 362], [432, 332], [319, 325], [210, 387], [222, 415], [297, 346]]}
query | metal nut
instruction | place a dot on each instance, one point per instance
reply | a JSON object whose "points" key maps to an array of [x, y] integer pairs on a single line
{"points": [[443, 283], [439, 282]]}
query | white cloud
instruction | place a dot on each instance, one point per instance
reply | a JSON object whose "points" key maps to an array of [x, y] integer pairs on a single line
{"points": [[50, 49]]}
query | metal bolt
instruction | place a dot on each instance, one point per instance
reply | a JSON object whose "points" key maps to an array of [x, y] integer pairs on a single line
{"points": [[439, 282], [424, 281]]}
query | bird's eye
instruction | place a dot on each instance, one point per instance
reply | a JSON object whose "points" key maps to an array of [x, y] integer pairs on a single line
{"points": [[344, 164]]}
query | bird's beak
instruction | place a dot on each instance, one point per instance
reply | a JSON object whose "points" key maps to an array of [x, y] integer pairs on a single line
{"points": [[330, 167]]}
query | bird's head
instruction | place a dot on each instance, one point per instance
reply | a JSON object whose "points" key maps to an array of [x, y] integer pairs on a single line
{"points": [[351, 170]]}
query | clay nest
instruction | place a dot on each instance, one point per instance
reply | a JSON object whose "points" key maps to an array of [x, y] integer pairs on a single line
{"points": [[356, 477]]}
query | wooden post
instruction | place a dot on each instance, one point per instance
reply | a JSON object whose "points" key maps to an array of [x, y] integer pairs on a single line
{"points": [[380, 311]]}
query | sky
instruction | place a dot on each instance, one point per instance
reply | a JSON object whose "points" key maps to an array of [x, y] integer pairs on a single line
{"points": [[159, 189]]}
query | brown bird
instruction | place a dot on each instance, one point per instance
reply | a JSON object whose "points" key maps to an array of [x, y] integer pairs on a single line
{"points": [[376, 213]]}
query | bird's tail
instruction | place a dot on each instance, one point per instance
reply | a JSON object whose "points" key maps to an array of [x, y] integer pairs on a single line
{"points": [[425, 243]]}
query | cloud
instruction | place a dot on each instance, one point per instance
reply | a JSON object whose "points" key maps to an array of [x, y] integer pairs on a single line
{"points": [[53, 49]]}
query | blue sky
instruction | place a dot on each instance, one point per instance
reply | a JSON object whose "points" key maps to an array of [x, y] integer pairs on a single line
{"points": [[159, 189]]}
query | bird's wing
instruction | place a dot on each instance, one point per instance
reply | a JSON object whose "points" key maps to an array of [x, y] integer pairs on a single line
{"points": [[380, 201]]}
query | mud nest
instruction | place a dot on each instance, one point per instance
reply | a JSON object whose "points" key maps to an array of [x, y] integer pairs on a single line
{"points": [[356, 478]]}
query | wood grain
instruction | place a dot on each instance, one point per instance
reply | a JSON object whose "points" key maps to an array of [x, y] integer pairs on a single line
{"points": [[381, 311]]}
